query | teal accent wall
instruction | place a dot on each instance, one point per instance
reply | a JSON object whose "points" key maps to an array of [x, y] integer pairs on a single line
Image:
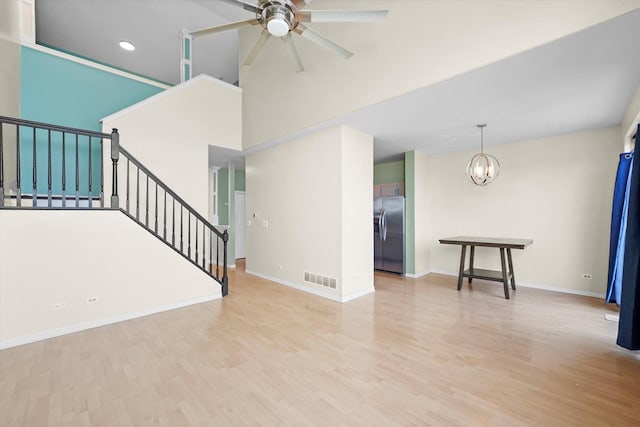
{"points": [[187, 48], [388, 173], [187, 72], [62, 92], [410, 210]]}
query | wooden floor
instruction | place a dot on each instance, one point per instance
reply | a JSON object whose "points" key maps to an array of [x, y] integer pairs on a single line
{"points": [[417, 352]]}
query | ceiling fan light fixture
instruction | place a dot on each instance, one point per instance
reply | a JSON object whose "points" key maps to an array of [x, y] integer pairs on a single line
{"points": [[277, 18], [277, 25]]}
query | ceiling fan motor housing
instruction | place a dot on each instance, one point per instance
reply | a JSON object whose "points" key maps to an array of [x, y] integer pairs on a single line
{"points": [[277, 16]]}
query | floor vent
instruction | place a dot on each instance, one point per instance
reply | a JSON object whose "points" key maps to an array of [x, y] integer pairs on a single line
{"points": [[327, 282]]}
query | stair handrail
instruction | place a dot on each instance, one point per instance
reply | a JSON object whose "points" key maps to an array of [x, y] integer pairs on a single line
{"points": [[117, 149], [169, 191], [65, 129]]}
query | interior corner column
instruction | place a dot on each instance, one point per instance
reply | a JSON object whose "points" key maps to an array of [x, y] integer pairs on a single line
{"points": [[410, 221]]}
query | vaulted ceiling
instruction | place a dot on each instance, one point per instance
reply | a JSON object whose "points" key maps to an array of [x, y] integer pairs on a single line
{"points": [[580, 82]]}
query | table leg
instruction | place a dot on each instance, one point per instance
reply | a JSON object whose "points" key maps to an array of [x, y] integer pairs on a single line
{"points": [[505, 279], [473, 249], [462, 256], [513, 277]]}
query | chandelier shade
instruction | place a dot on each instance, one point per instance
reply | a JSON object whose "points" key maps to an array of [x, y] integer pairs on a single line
{"points": [[482, 168]]}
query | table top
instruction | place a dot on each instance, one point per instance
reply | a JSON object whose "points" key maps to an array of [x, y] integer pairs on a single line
{"points": [[492, 242]]}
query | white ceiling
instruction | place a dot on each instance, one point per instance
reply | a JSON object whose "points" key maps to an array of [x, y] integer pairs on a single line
{"points": [[581, 82], [93, 28]]}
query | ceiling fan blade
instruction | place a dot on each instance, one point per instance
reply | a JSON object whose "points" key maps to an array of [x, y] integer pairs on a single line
{"points": [[319, 39], [224, 27], [301, 3], [257, 48], [243, 4], [288, 42], [342, 15]]}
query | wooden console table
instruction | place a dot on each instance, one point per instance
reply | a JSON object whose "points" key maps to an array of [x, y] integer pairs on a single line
{"points": [[503, 276]]}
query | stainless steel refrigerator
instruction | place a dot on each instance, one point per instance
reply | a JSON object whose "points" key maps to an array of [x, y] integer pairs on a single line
{"points": [[388, 234]]}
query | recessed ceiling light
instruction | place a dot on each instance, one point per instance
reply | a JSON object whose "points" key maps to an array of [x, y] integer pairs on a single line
{"points": [[127, 45]]}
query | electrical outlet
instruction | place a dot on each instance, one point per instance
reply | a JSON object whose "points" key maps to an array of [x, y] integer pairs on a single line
{"points": [[265, 223], [279, 266], [586, 276], [58, 306], [91, 300]]}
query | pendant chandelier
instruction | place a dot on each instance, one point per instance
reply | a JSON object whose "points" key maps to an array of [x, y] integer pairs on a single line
{"points": [[482, 168]]}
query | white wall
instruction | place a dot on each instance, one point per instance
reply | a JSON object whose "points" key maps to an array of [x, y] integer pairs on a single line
{"points": [[298, 190], [10, 54], [357, 208], [9, 79], [557, 191], [295, 187], [170, 133], [631, 119], [422, 201], [130, 272], [420, 43]]}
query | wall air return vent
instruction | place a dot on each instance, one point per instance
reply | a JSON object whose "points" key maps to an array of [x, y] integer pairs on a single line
{"points": [[317, 279]]}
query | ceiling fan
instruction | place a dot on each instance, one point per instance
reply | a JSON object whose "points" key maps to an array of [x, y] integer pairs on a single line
{"points": [[280, 18]]}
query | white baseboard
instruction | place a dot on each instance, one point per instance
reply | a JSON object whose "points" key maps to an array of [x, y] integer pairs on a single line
{"points": [[14, 342], [541, 287], [562, 290], [417, 275], [612, 317], [358, 294], [318, 292]]}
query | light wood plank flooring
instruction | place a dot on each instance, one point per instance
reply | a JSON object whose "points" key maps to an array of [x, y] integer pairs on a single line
{"points": [[417, 352]]}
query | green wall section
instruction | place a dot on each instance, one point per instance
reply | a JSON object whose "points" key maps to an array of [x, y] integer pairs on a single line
{"points": [[239, 180], [389, 173], [410, 210], [223, 196], [62, 92], [224, 207]]}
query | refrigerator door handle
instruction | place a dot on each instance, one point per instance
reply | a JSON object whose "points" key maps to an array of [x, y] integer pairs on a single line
{"points": [[383, 226]]}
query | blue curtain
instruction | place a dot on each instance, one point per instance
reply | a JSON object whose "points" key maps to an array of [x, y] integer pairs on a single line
{"points": [[618, 228], [629, 325]]}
